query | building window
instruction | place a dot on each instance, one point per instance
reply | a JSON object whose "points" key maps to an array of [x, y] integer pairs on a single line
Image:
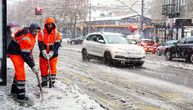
{"points": [[183, 2], [166, 2]]}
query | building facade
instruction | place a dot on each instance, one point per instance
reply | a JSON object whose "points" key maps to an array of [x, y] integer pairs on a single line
{"points": [[127, 25], [173, 19]]}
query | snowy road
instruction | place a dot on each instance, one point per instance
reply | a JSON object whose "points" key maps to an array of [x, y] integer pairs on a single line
{"points": [[116, 88]]}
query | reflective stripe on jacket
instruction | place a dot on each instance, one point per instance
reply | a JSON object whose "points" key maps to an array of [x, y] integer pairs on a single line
{"points": [[49, 41]]}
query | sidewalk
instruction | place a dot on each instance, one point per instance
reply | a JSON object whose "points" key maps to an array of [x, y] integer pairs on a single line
{"points": [[63, 97]]}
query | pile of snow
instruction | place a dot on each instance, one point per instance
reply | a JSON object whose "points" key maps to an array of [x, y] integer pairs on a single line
{"points": [[62, 97]]}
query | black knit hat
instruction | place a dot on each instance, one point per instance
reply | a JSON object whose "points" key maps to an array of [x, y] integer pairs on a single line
{"points": [[34, 26]]}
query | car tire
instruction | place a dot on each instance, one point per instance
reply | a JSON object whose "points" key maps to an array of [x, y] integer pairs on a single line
{"points": [[168, 55], [108, 59], [191, 58], [85, 56], [158, 53], [139, 64]]}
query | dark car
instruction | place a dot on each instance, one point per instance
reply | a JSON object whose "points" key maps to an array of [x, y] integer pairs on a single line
{"points": [[161, 49], [182, 49], [77, 40]]}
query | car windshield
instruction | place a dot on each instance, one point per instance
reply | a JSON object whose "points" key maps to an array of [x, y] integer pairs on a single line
{"points": [[189, 40], [116, 39], [170, 42]]}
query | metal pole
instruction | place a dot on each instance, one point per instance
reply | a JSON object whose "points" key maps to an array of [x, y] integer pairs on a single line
{"points": [[89, 24], [142, 17]]}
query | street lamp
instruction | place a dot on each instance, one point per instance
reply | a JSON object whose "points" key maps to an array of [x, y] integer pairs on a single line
{"points": [[89, 23], [142, 17]]}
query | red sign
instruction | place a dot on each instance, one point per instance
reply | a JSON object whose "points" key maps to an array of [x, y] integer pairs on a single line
{"points": [[133, 28], [38, 11]]}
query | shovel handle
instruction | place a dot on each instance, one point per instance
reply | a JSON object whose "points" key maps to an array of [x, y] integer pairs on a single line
{"points": [[38, 78], [49, 75]]}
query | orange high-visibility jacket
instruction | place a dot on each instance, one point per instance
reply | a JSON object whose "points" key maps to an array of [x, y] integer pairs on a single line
{"points": [[49, 41], [23, 44]]}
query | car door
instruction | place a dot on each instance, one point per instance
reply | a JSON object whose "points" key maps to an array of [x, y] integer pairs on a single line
{"points": [[88, 44], [93, 45], [186, 47], [100, 45], [182, 48], [178, 47]]}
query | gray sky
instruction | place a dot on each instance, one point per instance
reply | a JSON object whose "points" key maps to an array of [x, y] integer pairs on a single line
{"points": [[103, 2], [136, 7]]}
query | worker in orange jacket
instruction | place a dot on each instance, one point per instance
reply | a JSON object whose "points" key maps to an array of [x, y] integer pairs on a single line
{"points": [[20, 51], [49, 43]]}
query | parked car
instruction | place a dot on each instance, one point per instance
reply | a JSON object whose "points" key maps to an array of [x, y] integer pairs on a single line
{"points": [[182, 49], [112, 47], [161, 49], [148, 44], [77, 40]]}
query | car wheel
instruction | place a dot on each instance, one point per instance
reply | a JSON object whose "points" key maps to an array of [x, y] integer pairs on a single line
{"points": [[191, 58], [85, 55], [139, 64], [158, 53], [168, 55], [108, 59]]}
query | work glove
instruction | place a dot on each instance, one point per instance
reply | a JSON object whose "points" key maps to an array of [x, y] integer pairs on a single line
{"points": [[45, 55], [35, 70], [51, 53]]}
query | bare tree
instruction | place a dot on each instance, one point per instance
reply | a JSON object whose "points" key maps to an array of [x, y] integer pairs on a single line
{"points": [[65, 12]]}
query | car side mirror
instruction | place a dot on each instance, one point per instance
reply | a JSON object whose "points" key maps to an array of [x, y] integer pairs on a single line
{"points": [[101, 41]]}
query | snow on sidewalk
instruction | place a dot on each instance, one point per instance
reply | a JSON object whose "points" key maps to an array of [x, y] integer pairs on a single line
{"points": [[62, 97]]}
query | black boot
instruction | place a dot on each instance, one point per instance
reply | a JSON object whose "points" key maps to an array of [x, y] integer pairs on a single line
{"points": [[14, 87], [44, 81], [21, 91], [22, 97], [53, 78]]}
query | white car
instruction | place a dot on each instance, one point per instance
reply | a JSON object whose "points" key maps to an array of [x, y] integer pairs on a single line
{"points": [[112, 47]]}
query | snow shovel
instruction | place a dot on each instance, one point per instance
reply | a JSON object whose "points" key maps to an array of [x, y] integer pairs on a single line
{"points": [[49, 74], [40, 86]]}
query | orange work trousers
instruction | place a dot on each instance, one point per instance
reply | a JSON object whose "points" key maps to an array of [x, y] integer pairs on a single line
{"points": [[18, 63], [44, 66]]}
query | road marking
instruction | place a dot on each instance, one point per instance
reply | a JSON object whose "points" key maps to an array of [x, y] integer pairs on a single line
{"points": [[172, 96], [108, 102], [148, 107]]}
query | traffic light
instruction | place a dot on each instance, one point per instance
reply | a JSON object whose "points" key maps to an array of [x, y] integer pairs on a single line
{"points": [[38, 11], [133, 28]]}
